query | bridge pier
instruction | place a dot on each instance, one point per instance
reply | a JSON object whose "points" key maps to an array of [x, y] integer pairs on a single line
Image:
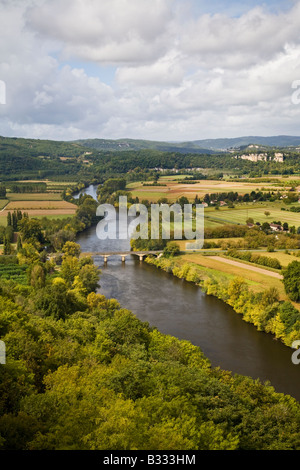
{"points": [[140, 254]]}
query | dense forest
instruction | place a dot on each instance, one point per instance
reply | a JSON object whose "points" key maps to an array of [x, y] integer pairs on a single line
{"points": [[40, 159], [83, 373]]}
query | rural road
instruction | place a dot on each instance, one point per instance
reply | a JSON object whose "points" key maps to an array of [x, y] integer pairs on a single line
{"points": [[248, 267]]}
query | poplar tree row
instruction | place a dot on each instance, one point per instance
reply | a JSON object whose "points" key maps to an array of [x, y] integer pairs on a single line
{"points": [[14, 218]]}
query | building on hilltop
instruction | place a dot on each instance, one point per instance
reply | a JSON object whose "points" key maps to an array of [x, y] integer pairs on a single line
{"points": [[261, 157]]}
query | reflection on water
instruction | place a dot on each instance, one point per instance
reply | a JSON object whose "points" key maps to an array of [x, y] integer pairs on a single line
{"points": [[90, 191]]}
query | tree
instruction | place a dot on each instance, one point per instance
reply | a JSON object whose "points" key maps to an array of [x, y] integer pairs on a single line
{"points": [[206, 199], [71, 249], [291, 280], [87, 279], [265, 227], [270, 296], [60, 237], [285, 226], [31, 231], [2, 192], [267, 213], [15, 221], [37, 276], [182, 201], [28, 254], [172, 249], [9, 233], [57, 300], [6, 246], [19, 243], [69, 269]]}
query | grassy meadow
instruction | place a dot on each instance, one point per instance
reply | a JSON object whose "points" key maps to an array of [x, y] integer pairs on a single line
{"points": [[240, 213]]}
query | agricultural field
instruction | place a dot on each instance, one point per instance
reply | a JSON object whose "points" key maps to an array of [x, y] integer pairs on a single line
{"points": [[256, 211], [255, 279], [43, 205], [37, 204], [3, 203], [172, 188], [33, 197], [14, 272]]}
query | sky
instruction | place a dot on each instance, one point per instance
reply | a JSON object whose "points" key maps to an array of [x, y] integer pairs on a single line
{"points": [[165, 70]]}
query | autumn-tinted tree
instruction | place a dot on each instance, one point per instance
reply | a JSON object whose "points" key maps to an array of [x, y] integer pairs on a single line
{"points": [[291, 280], [71, 248]]}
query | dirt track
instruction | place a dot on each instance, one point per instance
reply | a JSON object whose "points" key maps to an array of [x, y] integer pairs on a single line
{"points": [[247, 266]]}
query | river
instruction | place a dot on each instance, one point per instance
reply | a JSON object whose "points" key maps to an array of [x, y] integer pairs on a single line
{"points": [[182, 309]]}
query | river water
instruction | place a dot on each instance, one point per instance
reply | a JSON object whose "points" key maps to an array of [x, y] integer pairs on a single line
{"points": [[182, 309]]}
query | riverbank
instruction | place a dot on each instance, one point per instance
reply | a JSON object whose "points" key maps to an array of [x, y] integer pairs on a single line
{"points": [[184, 311], [263, 309]]}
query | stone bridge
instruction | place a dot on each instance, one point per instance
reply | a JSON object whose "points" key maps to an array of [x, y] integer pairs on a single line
{"points": [[123, 255]]}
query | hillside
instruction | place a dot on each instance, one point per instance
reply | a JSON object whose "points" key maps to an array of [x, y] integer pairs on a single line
{"points": [[206, 146], [280, 141], [136, 144], [92, 160]]}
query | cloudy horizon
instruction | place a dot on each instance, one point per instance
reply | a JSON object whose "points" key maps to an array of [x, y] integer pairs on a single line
{"points": [[165, 70]]}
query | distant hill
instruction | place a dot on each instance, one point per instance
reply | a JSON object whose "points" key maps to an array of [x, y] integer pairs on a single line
{"points": [[136, 144], [206, 146], [279, 141], [95, 159]]}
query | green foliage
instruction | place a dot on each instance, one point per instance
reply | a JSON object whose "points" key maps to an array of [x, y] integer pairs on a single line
{"points": [[13, 272], [83, 373], [2, 191], [110, 191], [37, 276], [172, 249], [31, 231], [87, 279], [71, 249], [148, 244], [291, 280], [226, 231], [255, 258], [39, 187]]}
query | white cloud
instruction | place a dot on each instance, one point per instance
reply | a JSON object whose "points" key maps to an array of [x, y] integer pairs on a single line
{"points": [[256, 36], [109, 31], [178, 76]]}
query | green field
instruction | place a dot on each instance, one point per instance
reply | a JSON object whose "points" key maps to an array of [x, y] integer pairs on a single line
{"points": [[3, 203], [256, 211], [283, 258]]}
